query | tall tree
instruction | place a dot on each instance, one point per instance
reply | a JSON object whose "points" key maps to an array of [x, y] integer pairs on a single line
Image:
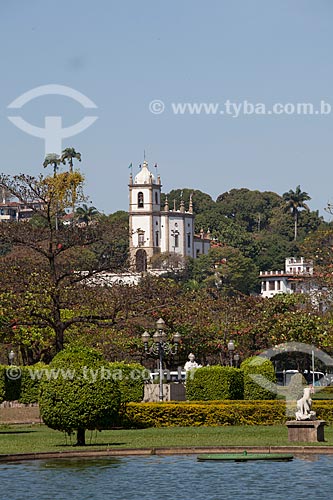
{"points": [[294, 202], [67, 156], [42, 276]]}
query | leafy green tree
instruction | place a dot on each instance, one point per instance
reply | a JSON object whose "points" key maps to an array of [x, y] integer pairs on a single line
{"points": [[78, 393], [226, 268], [294, 202], [43, 272], [250, 209], [201, 201]]}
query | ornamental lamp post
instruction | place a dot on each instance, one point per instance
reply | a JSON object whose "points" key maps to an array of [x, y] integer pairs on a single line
{"points": [[236, 359], [160, 347], [231, 348]]}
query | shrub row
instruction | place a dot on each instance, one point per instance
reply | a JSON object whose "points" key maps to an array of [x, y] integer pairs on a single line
{"points": [[22, 383], [141, 415]]}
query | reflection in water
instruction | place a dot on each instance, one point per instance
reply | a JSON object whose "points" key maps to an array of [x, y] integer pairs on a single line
{"points": [[77, 464], [166, 478]]}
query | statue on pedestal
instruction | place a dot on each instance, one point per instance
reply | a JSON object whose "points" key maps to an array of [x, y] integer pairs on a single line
{"points": [[304, 404]]}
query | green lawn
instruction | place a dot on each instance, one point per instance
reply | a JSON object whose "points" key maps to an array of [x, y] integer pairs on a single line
{"points": [[38, 438]]}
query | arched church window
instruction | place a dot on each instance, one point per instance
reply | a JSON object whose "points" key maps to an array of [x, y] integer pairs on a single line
{"points": [[140, 200], [141, 238], [156, 199]]}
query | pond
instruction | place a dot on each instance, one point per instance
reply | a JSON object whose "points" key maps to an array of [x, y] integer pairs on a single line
{"points": [[166, 478]]}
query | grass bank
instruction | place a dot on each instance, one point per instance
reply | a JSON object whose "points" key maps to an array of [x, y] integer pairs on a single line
{"points": [[39, 438]]}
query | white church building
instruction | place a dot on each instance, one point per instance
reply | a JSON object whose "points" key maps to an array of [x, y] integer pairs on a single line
{"points": [[155, 229]]}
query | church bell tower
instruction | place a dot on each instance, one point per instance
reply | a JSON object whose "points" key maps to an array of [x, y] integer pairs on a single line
{"points": [[144, 218]]}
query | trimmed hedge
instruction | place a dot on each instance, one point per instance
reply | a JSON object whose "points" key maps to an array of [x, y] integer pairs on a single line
{"points": [[20, 383], [2, 383], [214, 383], [256, 367], [131, 377], [142, 415]]}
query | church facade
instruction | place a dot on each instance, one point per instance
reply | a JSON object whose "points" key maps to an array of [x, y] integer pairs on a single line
{"points": [[155, 229]]}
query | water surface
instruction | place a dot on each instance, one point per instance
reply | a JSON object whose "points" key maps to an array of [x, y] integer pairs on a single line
{"points": [[166, 478]]}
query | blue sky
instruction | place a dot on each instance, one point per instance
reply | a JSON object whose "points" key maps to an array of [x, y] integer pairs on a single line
{"points": [[122, 55]]}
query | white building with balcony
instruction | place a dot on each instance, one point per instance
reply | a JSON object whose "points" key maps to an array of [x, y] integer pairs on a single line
{"points": [[295, 278]]}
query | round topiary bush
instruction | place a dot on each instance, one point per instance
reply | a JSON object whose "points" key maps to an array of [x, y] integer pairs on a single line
{"points": [[78, 393], [131, 377], [259, 375], [214, 383]]}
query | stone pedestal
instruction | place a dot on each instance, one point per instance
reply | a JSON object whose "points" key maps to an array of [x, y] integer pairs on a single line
{"points": [[306, 430], [171, 392]]}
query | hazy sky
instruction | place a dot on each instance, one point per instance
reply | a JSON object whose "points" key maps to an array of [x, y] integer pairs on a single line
{"points": [[125, 54]]}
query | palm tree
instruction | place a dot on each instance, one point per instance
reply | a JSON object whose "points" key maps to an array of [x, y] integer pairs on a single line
{"points": [[87, 214], [54, 160], [68, 155], [294, 202]]}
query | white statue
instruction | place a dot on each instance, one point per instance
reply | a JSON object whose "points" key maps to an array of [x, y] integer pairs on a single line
{"points": [[189, 365], [304, 404]]}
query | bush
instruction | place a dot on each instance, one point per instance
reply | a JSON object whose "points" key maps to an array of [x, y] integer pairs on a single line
{"points": [[20, 384], [140, 415], [131, 377], [2, 383], [262, 369], [82, 395], [30, 382], [214, 383], [184, 414]]}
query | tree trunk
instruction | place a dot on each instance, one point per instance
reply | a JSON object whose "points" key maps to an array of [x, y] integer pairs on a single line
{"points": [[295, 234], [59, 330], [81, 437]]}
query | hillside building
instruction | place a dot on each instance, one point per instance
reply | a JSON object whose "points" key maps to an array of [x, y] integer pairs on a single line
{"points": [[295, 278], [155, 229]]}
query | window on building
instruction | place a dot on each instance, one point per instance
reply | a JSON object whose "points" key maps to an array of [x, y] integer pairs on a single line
{"points": [[156, 239], [176, 240], [271, 286], [156, 198], [263, 286], [141, 239], [140, 200], [278, 286], [197, 253], [188, 240]]}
